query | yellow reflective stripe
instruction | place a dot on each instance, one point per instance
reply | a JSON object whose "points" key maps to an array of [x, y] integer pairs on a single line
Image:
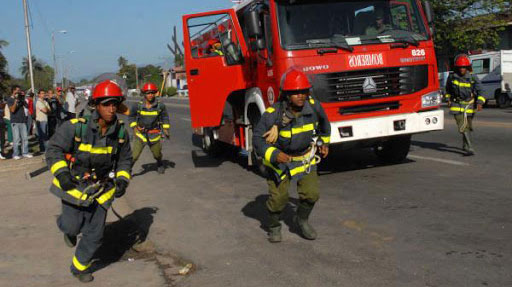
{"points": [[74, 192], [326, 139], [285, 134], [152, 113], [278, 171], [79, 266], [302, 168], [58, 165], [95, 150], [459, 109], [133, 124], [106, 196], [123, 173], [74, 121], [270, 110], [143, 138], [480, 98], [269, 152], [156, 139], [448, 96], [294, 131], [166, 126], [461, 84], [312, 101]]}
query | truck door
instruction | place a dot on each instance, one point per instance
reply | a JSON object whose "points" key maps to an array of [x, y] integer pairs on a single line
{"points": [[483, 70], [214, 56]]}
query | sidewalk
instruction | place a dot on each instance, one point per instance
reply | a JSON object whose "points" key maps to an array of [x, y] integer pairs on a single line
{"points": [[32, 250]]}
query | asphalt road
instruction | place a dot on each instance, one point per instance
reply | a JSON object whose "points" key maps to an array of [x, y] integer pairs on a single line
{"points": [[439, 219]]}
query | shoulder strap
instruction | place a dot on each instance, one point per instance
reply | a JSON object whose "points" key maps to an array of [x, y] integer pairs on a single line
{"points": [[80, 128]]}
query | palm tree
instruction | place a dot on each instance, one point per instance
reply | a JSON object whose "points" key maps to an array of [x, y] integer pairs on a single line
{"points": [[4, 75], [121, 61], [36, 65]]}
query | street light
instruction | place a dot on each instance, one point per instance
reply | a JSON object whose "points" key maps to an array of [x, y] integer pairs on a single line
{"points": [[54, 58]]}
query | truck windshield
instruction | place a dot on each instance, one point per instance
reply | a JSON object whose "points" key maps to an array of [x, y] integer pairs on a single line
{"points": [[306, 24]]}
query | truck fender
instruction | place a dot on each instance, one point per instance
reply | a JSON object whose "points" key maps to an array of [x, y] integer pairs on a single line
{"points": [[252, 96]]}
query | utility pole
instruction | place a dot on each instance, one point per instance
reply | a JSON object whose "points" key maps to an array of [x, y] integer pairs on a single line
{"points": [[29, 47]]}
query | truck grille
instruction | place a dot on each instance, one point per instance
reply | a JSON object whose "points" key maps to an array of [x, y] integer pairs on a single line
{"points": [[370, 84]]}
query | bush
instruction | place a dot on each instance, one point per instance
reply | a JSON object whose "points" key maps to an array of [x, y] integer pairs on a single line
{"points": [[170, 92]]}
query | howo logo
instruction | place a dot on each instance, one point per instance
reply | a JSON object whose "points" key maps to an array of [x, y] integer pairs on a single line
{"points": [[355, 61], [369, 86], [315, 68]]}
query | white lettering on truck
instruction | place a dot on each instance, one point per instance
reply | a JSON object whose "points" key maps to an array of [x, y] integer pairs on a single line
{"points": [[364, 60]]}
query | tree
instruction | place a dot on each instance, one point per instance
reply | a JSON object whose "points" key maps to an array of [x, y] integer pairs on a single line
{"points": [[179, 60], [463, 26], [152, 74], [36, 66], [4, 75], [122, 62], [128, 73]]}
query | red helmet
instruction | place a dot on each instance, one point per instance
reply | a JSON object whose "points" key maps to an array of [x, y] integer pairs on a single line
{"points": [[462, 60], [149, 87], [212, 42], [294, 80], [107, 89]]}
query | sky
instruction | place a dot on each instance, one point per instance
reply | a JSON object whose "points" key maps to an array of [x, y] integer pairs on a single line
{"points": [[98, 31]]}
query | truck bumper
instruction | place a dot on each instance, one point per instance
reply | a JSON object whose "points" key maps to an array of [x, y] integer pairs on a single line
{"points": [[381, 127]]}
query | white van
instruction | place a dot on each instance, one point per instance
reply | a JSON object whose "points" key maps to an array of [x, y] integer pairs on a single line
{"points": [[494, 69]]}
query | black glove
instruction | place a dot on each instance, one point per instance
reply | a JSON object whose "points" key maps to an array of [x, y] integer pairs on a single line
{"points": [[67, 182], [121, 186]]}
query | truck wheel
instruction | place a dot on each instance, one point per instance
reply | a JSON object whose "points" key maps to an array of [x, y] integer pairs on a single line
{"points": [[394, 150], [502, 100], [210, 145]]}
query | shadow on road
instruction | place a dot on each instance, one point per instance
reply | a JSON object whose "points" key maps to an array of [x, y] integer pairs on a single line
{"points": [[122, 235], [257, 209], [438, 147], [148, 167]]}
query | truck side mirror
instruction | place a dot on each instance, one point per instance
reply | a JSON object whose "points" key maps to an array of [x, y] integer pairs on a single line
{"points": [[429, 11], [253, 24]]}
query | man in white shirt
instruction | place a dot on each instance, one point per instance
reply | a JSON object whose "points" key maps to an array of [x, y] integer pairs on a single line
{"points": [[71, 102], [42, 111]]}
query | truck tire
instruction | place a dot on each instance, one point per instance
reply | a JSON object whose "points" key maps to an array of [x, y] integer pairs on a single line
{"points": [[257, 161], [502, 101], [394, 150], [210, 145]]}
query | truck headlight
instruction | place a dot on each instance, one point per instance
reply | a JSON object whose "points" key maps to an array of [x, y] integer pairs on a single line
{"points": [[431, 100]]}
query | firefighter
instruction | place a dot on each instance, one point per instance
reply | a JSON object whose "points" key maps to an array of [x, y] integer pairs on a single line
{"points": [[91, 161], [285, 139], [464, 93], [215, 48], [149, 119]]}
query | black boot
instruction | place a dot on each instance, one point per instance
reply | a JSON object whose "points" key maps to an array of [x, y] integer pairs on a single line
{"points": [[301, 219], [274, 226], [468, 145], [84, 277], [160, 167]]}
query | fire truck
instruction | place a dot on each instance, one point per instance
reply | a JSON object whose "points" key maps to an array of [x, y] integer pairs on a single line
{"points": [[371, 63]]}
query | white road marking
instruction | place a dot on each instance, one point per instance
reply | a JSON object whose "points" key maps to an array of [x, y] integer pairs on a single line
{"points": [[454, 162]]}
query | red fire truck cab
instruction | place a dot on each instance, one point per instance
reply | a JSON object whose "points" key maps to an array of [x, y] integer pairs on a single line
{"points": [[371, 63]]}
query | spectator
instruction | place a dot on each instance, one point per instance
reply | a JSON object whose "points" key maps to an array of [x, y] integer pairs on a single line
{"points": [[42, 111], [7, 120], [61, 113], [29, 112], [16, 103], [54, 113], [71, 102], [2, 127]]}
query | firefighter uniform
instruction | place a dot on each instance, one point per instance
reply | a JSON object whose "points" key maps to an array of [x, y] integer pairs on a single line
{"points": [[296, 131], [151, 121], [101, 166], [465, 93]]}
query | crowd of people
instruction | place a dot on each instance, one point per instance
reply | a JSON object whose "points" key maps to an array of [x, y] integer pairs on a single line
{"points": [[25, 116]]}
